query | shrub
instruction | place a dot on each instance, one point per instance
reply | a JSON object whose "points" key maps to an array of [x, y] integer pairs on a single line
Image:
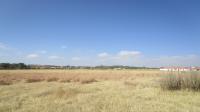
{"points": [[173, 81], [4, 82], [32, 80], [88, 81], [65, 80], [52, 79]]}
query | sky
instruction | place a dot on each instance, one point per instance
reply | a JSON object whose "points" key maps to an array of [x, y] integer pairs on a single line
{"points": [[150, 33]]}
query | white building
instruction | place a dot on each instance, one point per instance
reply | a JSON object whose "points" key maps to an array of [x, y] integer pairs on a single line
{"points": [[177, 69]]}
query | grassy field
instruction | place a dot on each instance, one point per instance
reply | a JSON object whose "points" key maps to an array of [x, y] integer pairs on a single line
{"points": [[91, 91]]}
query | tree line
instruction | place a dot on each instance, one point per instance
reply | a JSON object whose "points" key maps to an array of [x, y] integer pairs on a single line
{"points": [[24, 66], [14, 66]]}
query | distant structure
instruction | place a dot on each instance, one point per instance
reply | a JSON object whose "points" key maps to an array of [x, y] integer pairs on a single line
{"points": [[179, 68]]}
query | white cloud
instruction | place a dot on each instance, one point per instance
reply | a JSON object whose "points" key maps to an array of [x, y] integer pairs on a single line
{"points": [[55, 57], [128, 53], [124, 57], [157, 61], [3, 46], [76, 58], [103, 55], [120, 55], [31, 56], [135, 58], [186, 60]]}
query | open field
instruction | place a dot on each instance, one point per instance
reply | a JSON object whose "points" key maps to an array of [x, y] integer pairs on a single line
{"points": [[91, 91]]}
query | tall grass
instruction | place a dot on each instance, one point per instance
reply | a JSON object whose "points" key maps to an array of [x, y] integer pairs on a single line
{"points": [[178, 81], [115, 91], [9, 77]]}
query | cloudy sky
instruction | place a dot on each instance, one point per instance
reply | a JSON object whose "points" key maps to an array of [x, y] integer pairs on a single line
{"points": [[100, 32]]}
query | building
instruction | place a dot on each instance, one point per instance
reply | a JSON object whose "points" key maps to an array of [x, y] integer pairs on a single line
{"points": [[180, 69], [196, 68]]}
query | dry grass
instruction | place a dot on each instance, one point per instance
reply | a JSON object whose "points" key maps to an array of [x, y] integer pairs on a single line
{"points": [[4, 82], [66, 93], [81, 76], [87, 81], [177, 81], [92, 91], [130, 84], [32, 80], [51, 79]]}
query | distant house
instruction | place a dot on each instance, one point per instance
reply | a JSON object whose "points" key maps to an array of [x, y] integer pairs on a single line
{"points": [[196, 68], [180, 69]]}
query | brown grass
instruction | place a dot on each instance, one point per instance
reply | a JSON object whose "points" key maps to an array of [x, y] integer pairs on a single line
{"points": [[32, 80], [130, 84], [80, 76], [65, 80], [115, 91], [4, 82], [88, 81], [51, 79], [62, 93], [174, 81]]}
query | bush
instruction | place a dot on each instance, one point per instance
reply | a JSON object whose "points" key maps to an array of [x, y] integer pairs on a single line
{"points": [[87, 81], [4, 82], [65, 80], [52, 79], [173, 81], [13, 66], [32, 80]]}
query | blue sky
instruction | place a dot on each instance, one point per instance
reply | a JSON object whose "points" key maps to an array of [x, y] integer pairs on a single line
{"points": [[96, 32]]}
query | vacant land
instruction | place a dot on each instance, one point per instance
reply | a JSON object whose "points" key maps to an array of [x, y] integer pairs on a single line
{"points": [[91, 91]]}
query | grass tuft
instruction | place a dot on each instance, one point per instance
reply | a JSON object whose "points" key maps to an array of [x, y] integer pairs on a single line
{"points": [[88, 81], [52, 79], [32, 80], [4, 82], [65, 80], [187, 81], [66, 93]]}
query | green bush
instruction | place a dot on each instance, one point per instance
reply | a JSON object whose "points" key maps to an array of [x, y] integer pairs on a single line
{"points": [[177, 81]]}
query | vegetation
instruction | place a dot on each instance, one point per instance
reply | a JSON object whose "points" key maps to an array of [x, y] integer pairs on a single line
{"points": [[13, 66], [77, 76], [24, 66], [91, 91], [177, 81]]}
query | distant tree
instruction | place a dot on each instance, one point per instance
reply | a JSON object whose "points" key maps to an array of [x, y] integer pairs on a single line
{"points": [[13, 66], [4, 65]]}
